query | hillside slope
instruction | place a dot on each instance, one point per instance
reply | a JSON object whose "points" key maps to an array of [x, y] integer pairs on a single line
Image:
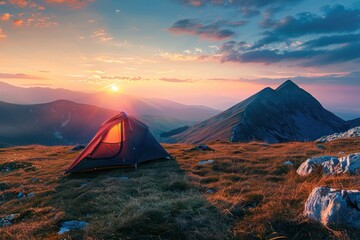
{"points": [[287, 113], [63, 122]]}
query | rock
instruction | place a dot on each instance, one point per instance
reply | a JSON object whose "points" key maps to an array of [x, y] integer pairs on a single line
{"points": [[334, 207], [206, 162], [77, 148], [331, 165], [32, 194], [72, 225], [7, 221], [20, 195], [210, 190], [83, 185], [288, 163], [319, 146], [341, 152], [353, 132], [34, 180], [201, 147]]}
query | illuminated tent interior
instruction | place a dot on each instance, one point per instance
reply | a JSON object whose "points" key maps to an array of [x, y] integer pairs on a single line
{"points": [[121, 140]]}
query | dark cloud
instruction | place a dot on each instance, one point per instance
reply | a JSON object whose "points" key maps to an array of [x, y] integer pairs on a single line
{"points": [[330, 40], [336, 19], [345, 53], [18, 76], [247, 8], [231, 52], [216, 31]]}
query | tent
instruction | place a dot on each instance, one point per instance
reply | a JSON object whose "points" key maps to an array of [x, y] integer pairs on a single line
{"points": [[121, 140]]}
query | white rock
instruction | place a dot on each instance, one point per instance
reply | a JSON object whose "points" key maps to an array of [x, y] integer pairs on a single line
{"points": [[311, 164], [331, 165], [288, 163], [353, 132], [206, 162], [334, 207]]}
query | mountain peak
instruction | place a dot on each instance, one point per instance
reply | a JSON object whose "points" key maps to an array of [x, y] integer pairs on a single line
{"points": [[288, 84]]}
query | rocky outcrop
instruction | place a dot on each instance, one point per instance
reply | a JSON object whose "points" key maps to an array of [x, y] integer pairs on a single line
{"points": [[353, 132], [334, 207], [72, 225], [331, 165]]}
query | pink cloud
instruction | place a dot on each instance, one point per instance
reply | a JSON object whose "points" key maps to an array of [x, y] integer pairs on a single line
{"points": [[25, 3], [102, 35], [18, 22], [19, 3], [2, 34], [71, 3], [5, 17]]}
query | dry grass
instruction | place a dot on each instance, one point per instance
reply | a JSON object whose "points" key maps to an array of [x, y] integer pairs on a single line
{"points": [[247, 193]]}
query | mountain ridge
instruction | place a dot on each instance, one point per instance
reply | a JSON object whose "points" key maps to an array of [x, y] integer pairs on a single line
{"points": [[287, 113], [63, 122], [114, 101]]}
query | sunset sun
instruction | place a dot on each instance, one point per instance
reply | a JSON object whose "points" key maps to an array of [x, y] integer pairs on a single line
{"points": [[114, 88]]}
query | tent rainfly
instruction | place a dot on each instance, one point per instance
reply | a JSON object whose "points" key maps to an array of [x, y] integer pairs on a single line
{"points": [[121, 140]]}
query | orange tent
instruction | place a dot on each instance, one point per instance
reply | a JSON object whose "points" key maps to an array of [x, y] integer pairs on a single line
{"points": [[121, 140]]}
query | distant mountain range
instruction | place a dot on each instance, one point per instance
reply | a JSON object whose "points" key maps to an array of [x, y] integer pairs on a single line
{"points": [[114, 101], [287, 113], [63, 122]]}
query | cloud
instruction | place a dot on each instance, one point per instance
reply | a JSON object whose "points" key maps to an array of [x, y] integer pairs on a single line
{"points": [[175, 80], [215, 31], [76, 4], [18, 22], [18, 76], [247, 8], [123, 78], [345, 53], [5, 17], [187, 56], [102, 35], [330, 40], [335, 19], [19, 3], [346, 78], [26, 3], [232, 52], [2, 34]]}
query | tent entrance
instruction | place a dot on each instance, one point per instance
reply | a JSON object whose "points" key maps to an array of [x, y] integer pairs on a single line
{"points": [[111, 144]]}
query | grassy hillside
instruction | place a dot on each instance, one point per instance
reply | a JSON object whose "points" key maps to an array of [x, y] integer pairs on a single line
{"points": [[247, 193]]}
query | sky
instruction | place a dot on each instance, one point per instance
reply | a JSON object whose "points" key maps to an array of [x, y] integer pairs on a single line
{"points": [[210, 52]]}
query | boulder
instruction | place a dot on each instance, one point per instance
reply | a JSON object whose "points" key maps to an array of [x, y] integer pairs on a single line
{"points": [[334, 207], [72, 225], [7, 221], [206, 162], [77, 148], [288, 163], [331, 165], [201, 147]]}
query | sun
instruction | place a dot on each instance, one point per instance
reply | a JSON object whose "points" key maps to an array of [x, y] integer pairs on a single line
{"points": [[114, 88]]}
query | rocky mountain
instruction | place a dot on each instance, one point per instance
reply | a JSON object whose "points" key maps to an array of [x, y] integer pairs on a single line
{"points": [[287, 113], [63, 122], [110, 100], [351, 133]]}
